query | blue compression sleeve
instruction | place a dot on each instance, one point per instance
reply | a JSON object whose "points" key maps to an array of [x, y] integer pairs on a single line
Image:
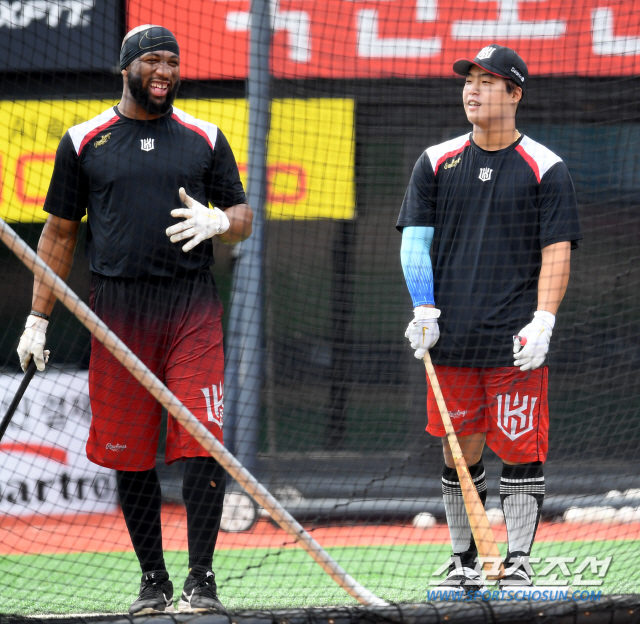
{"points": [[416, 264]]}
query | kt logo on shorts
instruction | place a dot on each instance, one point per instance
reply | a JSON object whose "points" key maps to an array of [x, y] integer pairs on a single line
{"points": [[215, 403], [513, 419]]}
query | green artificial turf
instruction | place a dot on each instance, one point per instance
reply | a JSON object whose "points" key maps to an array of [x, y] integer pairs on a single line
{"points": [[271, 578]]}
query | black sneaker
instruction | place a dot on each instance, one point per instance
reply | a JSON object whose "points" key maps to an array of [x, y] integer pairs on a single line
{"points": [[156, 594], [200, 591], [462, 579]]}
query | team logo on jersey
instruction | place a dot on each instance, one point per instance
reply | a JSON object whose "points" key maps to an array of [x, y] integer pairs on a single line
{"points": [[102, 140], [215, 403], [485, 53], [147, 145], [485, 173], [513, 419]]}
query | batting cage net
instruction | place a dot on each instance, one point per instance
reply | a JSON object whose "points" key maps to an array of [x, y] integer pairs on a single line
{"points": [[246, 254]]}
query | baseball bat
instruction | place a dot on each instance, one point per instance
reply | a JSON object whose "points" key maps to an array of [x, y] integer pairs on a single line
{"points": [[28, 376], [480, 528], [167, 399]]}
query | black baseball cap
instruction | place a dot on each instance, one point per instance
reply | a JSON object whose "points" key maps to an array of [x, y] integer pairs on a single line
{"points": [[499, 61]]}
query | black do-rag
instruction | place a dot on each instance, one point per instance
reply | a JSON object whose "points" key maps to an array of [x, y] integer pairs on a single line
{"points": [[150, 39]]}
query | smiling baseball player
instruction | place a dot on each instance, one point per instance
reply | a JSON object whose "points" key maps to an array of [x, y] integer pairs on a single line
{"points": [[488, 222], [145, 173]]}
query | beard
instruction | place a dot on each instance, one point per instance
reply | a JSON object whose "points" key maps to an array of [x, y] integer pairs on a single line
{"points": [[143, 98]]}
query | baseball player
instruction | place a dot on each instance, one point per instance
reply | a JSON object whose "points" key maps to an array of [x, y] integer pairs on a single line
{"points": [[488, 223], [145, 173]]}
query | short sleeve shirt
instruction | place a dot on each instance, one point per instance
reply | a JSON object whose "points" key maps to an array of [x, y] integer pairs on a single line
{"points": [[125, 175], [492, 214]]}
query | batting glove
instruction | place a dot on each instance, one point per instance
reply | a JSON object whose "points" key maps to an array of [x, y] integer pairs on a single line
{"points": [[423, 332], [200, 222], [32, 343], [531, 344]]}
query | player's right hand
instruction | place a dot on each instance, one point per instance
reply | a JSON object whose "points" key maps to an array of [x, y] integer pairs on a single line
{"points": [[423, 332], [32, 343]]}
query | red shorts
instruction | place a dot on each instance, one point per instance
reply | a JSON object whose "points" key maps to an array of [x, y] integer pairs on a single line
{"points": [[174, 327], [508, 405]]}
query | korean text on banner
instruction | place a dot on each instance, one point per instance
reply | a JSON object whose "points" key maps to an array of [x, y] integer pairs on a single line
{"points": [[404, 38]]}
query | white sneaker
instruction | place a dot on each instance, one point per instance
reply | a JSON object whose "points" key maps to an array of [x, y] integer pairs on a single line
{"points": [[463, 579], [515, 579]]}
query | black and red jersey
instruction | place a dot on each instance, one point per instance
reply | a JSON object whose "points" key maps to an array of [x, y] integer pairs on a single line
{"points": [[125, 175], [492, 213]]}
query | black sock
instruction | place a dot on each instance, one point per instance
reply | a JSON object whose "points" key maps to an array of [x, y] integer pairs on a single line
{"points": [[203, 492], [464, 546], [140, 498], [521, 493]]}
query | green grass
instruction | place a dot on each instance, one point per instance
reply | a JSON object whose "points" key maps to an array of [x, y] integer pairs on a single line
{"points": [[267, 578]]}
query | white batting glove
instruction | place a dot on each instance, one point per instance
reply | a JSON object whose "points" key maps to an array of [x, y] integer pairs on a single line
{"points": [[32, 343], [423, 332], [200, 222], [531, 345]]}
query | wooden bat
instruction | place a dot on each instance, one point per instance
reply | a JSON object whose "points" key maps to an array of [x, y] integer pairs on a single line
{"points": [[172, 404], [28, 376], [488, 552]]}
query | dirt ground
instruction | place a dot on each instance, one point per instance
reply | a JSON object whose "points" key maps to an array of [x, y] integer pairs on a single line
{"points": [[108, 533]]}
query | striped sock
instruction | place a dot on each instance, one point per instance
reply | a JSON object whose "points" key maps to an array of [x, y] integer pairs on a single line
{"points": [[521, 493], [462, 540]]}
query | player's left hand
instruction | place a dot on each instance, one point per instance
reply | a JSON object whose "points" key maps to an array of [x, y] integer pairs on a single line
{"points": [[531, 345], [200, 222]]}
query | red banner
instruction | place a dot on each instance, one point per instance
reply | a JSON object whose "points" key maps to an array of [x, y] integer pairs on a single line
{"points": [[402, 38]]}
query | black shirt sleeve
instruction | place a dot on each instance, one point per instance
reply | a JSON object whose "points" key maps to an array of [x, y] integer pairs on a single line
{"points": [[559, 219], [419, 203], [224, 188], [68, 192]]}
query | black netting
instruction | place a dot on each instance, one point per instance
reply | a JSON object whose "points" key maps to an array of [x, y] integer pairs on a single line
{"points": [[292, 341]]}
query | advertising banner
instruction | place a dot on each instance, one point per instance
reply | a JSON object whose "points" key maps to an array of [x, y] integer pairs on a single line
{"points": [[43, 465], [57, 35], [404, 38], [310, 160]]}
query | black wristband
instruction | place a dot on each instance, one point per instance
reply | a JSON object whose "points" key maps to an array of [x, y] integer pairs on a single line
{"points": [[46, 317]]}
